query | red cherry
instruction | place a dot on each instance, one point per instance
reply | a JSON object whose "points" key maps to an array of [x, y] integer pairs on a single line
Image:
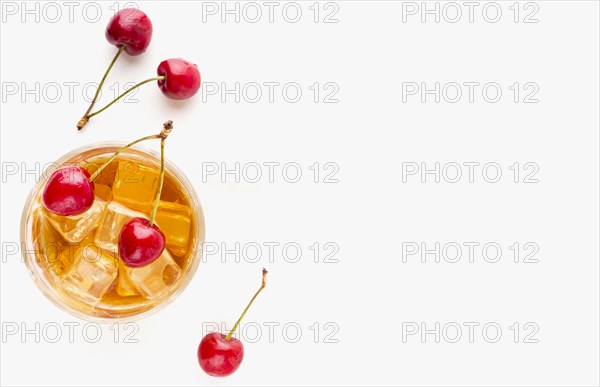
{"points": [[139, 243], [182, 78], [130, 28], [218, 356], [68, 191]]}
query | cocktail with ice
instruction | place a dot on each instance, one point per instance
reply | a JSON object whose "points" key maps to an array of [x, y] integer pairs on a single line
{"points": [[75, 259]]}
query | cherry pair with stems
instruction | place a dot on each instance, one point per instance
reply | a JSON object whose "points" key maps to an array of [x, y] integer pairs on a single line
{"points": [[70, 191], [130, 30]]}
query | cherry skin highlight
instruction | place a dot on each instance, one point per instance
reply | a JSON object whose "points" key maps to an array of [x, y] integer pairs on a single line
{"points": [[182, 78], [218, 356], [68, 191], [139, 243], [130, 28]]}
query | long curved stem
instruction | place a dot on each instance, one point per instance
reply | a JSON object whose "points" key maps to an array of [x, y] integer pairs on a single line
{"points": [[110, 160], [167, 128], [123, 94], [160, 181], [264, 283], [85, 117]]}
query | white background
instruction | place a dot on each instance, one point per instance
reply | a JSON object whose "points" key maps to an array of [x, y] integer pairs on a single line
{"points": [[370, 297]]}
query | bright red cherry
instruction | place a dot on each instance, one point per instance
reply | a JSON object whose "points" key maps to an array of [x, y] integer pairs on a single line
{"points": [[218, 356], [140, 244], [68, 191], [130, 28], [181, 78]]}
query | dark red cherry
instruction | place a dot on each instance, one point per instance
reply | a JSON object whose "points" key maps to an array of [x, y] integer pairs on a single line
{"points": [[130, 28], [182, 78], [218, 356], [68, 191], [139, 243]]}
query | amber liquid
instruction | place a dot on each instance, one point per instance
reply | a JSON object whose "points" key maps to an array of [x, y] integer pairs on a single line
{"points": [[79, 254]]}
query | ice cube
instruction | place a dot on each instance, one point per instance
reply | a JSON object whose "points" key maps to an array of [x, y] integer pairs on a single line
{"points": [[174, 221], [114, 218], [103, 192], [107, 176], [51, 250], [135, 185], [125, 286], [155, 279], [92, 273], [76, 227]]}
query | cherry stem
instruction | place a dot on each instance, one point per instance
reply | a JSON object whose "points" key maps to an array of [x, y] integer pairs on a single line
{"points": [[123, 94], [264, 283], [86, 117], [160, 182], [167, 127]]}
